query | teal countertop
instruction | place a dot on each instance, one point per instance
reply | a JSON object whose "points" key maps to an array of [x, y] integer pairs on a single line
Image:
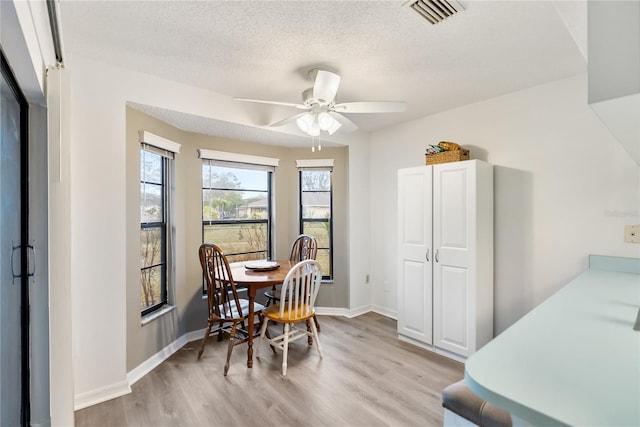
{"points": [[574, 359]]}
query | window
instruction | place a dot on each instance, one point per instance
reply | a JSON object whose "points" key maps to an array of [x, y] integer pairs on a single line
{"points": [[153, 230], [316, 212], [236, 209], [156, 163]]}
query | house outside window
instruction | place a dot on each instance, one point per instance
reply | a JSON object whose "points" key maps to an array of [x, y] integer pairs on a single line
{"points": [[316, 209], [237, 208]]}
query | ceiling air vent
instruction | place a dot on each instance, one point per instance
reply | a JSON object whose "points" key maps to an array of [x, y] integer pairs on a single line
{"points": [[436, 11]]}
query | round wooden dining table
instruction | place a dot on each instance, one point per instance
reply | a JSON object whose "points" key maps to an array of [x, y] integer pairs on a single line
{"points": [[254, 280]]}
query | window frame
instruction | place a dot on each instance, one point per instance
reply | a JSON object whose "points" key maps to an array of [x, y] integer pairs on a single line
{"points": [[162, 225], [212, 163], [302, 220]]}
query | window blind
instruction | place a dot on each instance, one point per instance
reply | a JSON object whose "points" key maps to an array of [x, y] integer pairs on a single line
{"points": [[315, 164], [157, 144], [241, 161]]}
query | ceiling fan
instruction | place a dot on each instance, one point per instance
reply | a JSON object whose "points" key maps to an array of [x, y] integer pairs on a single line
{"points": [[322, 113]]}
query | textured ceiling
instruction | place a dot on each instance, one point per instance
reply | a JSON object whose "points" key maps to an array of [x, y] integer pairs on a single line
{"points": [[382, 50]]}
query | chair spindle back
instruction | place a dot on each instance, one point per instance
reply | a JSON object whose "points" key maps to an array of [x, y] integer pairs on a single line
{"points": [[222, 296], [300, 289], [304, 247]]}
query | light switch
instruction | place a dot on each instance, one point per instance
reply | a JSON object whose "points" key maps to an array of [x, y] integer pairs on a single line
{"points": [[632, 233]]}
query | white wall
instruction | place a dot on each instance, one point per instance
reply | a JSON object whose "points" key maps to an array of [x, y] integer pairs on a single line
{"points": [[564, 188], [358, 229], [99, 93]]}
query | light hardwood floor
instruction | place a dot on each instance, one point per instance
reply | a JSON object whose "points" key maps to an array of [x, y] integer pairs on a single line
{"points": [[366, 378]]}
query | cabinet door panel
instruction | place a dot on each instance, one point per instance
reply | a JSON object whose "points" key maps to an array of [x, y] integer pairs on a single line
{"points": [[413, 199], [454, 240], [453, 213], [414, 242], [416, 314], [451, 311], [452, 209]]}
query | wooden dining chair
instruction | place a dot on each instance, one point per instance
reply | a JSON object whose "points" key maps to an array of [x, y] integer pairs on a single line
{"points": [[299, 291], [225, 308], [304, 247]]}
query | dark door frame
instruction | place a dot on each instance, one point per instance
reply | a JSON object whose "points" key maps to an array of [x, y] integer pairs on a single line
{"points": [[7, 73]]}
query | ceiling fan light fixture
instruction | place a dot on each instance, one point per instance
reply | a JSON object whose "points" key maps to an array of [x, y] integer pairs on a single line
{"points": [[305, 122], [325, 121], [314, 130]]}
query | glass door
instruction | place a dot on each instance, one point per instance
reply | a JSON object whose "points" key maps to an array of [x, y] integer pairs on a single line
{"points": [[14, 309]]}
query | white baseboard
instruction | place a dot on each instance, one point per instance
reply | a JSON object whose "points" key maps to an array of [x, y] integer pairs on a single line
{"points": [[351, 313], [355, 312], [148, 365], [101, 394], [348, 313], [194, 335], [393, 314], [332, 311]]}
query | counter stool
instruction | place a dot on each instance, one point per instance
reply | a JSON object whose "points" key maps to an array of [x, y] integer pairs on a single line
{"points": [[463, 408]]}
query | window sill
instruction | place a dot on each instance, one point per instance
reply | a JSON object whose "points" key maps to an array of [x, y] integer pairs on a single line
{"points": [[156, 314]]}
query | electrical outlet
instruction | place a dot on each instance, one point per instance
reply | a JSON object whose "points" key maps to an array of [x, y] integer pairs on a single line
{"points": [[632, 233]]}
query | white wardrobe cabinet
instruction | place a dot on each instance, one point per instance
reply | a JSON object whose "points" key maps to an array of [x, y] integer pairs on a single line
{"points": [[445, 257]]}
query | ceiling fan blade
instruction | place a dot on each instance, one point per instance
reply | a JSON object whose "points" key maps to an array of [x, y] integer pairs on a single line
{"points": [[326, 86], [287, 120], [286, 104], [371, 107], [347, 125]]}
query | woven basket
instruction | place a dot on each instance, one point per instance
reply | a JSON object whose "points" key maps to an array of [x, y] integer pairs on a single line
{"points": [[447, 156]]}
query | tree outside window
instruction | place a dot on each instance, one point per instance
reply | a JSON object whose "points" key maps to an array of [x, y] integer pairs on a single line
{"points": [[153, 229], [236, 210], [316, 212]]}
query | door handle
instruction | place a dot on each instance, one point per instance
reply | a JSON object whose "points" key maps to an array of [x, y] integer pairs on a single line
{"points": [[427, 255], [13, 268], [436, 256], [32, 271], [30, 257]]}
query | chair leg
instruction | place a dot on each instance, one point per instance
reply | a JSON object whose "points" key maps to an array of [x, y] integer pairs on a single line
{"points": [[285, 349], [269, 300], [220, 332], [230, 349], [309, 337], [263, 332], [315, 334], [315, 320], [204, 340], [268, 335]]}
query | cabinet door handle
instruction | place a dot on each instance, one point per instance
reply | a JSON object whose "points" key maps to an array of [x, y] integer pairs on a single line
{"points": [[436, 256], [427, 254]]}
